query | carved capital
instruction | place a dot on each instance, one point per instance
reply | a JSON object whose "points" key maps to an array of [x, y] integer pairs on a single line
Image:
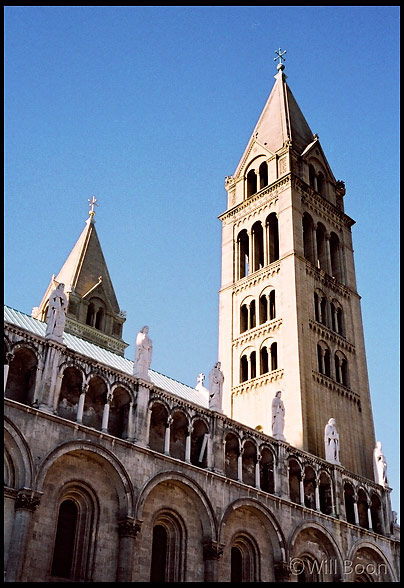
{"points": [[128, 527], [27, 499], [212, 550], [9, 357], [282, 572]]}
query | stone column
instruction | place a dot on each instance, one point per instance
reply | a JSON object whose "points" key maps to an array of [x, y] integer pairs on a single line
{"points": [[130, 434], [80, 408], [212, 551], [258, 473], [370, 518], [167, 436], [301, 487], [317, 496], [25, 504], [282, 572], [188, 445], [128, 528], [355, 505], [105, 414], [240, 465], [56, 394]]}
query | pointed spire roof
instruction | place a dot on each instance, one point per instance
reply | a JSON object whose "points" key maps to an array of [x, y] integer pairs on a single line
{"points": [[85, 267], [281, 121]]}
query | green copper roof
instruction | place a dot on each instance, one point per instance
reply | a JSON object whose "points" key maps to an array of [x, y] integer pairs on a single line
{"points": [[92, 351]]}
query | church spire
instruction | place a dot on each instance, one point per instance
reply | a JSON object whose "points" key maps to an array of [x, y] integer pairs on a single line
{"points": [[93, 311]]}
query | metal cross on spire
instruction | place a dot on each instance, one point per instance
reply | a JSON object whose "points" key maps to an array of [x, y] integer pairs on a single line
{"points": [[92, 203], [279, 55]]}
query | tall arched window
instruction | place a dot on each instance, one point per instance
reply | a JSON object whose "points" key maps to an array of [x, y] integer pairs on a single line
{"points": [[325, 494], [308, 245], [63, 552], [335, 257], [274, 356], [312, 176], [258, 246], [74, 542], [232, 451], [244, 556], [321, 262], [159, 554], [168, 549], [272, 237], [263, 172], [90, 314], [267, 482], [251, 183], [349, 499], [243, 254]]}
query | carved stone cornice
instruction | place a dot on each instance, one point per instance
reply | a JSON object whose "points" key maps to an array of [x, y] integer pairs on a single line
{"points": [[257, 382], [326, 333], [256, 277], [317, 203], [328, 281], [257, 333], [272, 191], [340, 389]]}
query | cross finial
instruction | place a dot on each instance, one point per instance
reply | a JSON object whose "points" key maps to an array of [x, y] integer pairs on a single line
{"points": [[279, 55], [92, 203]]}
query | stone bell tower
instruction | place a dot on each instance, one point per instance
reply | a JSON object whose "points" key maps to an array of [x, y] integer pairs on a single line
{"points": [[289, 311]]}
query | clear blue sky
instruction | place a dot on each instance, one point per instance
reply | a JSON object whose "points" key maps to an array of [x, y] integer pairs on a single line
{"points": [[149, 108]]}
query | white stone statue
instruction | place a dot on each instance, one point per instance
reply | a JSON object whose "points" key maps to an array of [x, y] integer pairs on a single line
{"points": [[56, 315], [143, 354], [380, 465], [331, 442], [216, 380], [278, 417]]}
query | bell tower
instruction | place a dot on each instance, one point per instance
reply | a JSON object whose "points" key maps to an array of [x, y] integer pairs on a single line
{"points": [[289, 311]]}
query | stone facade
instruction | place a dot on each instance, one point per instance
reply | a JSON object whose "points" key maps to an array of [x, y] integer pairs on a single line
{"points": [[248, 497]]}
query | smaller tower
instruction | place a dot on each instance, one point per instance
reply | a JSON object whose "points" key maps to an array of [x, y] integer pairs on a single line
{"points": [[93, 312]]}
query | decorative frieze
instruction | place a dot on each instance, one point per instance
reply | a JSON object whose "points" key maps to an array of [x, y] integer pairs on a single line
{"points": [[340, 389], [326, 333], [255, 278], [257, 333]]}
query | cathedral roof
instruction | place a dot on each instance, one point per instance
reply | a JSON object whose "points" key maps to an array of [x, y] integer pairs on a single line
{"points": [[103, 356]]}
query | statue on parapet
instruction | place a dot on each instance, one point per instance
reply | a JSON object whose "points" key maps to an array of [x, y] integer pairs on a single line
{"points": [[331, 442], [143, 354], [278, 417], [56, 315], [216, 380], [380, 465]]}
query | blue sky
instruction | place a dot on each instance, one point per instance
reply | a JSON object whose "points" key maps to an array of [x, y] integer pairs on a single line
{"points": [[149, 108]]}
